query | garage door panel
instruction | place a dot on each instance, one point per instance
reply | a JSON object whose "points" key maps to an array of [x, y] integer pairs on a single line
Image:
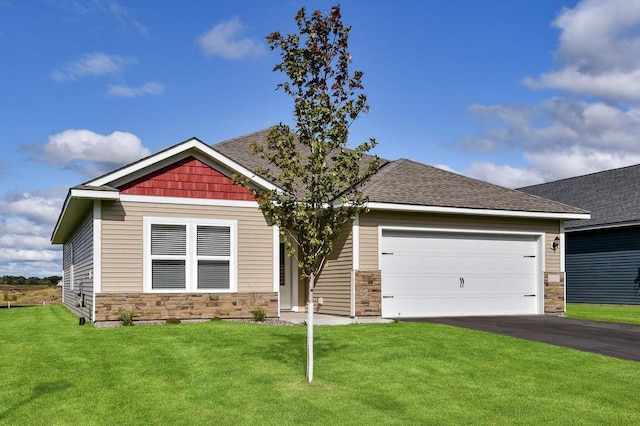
{"points": [[434, 274]]}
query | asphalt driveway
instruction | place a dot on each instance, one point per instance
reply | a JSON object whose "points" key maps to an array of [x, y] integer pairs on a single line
{"points": [[616, 340]]}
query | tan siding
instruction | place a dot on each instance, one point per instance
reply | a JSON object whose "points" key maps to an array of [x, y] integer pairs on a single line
{"points": [[122, 244], [334, 283], [370, 222]]}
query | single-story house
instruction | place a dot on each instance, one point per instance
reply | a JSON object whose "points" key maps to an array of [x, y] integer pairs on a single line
{"points": [[172, 235], [602, 253]]}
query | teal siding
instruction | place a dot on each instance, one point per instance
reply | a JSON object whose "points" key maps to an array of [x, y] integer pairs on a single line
{"points": [[602, 266]]}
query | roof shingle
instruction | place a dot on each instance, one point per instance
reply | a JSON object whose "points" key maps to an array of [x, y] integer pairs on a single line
{"points": [[612, 196], [408, 182]]}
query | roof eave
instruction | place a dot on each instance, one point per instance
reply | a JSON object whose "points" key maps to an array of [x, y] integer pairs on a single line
{"points": [[190, 144], [478, 212], [74, 208]]}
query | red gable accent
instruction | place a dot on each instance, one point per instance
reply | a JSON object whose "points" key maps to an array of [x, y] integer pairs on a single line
{"points": [[189, 178]]}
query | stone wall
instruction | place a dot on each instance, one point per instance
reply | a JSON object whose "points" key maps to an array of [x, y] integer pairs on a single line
{"points": [[554, 293], [368, 293], [185, 306]]}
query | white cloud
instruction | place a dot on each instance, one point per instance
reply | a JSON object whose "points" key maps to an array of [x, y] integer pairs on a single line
{"points": [[91, 64], [507, 176], [611, 85], [91, 153], [598, 52], [32, 207], [124, 91], [225, 40], [26, 223], [559, 138]]}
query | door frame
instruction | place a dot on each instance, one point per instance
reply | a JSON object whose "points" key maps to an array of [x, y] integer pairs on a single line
{"points": [[288, 290]]}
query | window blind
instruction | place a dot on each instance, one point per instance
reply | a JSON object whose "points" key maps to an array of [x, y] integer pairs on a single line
{"points": [[168, 240], [214, 241]]}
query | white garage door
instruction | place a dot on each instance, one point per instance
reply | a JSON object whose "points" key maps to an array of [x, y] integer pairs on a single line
{"points": [[450, 274]]}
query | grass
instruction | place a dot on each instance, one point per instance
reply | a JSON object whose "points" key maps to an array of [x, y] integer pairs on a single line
{"points": [[30, 294], [225, 373], [626, 314]]}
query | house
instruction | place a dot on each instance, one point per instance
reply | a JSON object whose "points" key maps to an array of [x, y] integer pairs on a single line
{"points": [[602, 253], [172, 235]]}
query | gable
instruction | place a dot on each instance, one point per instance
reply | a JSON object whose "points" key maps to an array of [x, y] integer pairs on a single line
{"points": [[187, 178]]}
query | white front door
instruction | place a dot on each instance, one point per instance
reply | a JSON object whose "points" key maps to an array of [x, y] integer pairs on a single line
{"points": [[449, 274]]}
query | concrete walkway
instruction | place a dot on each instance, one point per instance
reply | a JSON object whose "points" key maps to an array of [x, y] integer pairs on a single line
{"points": [[324, 319]]}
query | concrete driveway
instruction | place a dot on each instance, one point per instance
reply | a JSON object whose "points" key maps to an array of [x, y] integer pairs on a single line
{"points": [[616, 340]]}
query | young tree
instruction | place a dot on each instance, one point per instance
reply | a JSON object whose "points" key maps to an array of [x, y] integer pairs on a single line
{"points": [[318, 177]]}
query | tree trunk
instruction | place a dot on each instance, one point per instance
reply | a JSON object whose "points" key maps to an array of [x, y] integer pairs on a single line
{"points": [[310, 331]]}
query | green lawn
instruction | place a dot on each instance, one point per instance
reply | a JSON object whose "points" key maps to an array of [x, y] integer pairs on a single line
{"points": [[611, 313], [222, 373]]}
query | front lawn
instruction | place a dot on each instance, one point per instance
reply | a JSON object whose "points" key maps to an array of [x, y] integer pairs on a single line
{"points": [[225, 373], [625, 314]]}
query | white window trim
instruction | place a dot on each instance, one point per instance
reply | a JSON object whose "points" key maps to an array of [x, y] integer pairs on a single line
{"points": [[191, 256]]}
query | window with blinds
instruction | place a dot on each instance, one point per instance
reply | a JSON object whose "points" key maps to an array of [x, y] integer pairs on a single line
{"points": [[197, 255], [169, 255], [213, 256]]}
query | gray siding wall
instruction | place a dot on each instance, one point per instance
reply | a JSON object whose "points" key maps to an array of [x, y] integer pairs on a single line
{"points": [[78, 267], [602, 266]]}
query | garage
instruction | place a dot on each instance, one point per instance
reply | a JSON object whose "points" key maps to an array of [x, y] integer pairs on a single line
{"points": [[434, 273]]}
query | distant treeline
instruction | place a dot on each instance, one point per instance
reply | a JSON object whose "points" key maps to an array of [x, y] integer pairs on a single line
{"points": [[9, 280]]}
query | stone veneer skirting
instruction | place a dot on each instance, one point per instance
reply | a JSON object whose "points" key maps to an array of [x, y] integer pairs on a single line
{"points": [[185, 306], [368, 288], [554, 293], [368, 297]]}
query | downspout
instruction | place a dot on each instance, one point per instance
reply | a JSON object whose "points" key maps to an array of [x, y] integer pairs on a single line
{"points": [[562, 265], [355, 236], [96, 279], [276, 263]]}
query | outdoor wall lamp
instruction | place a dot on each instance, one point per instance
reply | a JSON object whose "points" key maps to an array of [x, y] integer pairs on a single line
{"points": [[556, 243]]}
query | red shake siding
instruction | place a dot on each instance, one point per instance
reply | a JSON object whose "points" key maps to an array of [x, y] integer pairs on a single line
{"points": [[189, 178]]}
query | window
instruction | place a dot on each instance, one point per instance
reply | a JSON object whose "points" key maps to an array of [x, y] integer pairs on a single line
{"points": [[190, 255]]}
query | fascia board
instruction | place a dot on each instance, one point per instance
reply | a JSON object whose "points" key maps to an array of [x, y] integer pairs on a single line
{"points": [[175, 151], [477, 212]]}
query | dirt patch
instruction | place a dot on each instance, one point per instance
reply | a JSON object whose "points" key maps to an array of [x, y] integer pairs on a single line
{"points": [[23, 295]]}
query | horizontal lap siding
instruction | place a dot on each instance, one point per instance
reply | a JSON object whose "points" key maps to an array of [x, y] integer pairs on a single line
{"points": [[81, 244], [603, 266], [122, 244], [334, 283], [369, 230]]}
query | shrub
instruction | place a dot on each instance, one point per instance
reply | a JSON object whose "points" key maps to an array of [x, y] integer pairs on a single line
{"points": [[126, 317], [259, 313], [173, 321]]}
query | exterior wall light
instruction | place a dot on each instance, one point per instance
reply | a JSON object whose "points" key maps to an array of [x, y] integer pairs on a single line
{"points": [[555, 244]]}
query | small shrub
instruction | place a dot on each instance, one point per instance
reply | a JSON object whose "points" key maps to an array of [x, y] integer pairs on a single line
{"points": [[126, 317], [216, 319], [9, 298], [259, 313], [173, 321]]}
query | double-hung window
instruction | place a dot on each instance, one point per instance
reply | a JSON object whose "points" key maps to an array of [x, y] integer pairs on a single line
{"points": [[190, 255]]}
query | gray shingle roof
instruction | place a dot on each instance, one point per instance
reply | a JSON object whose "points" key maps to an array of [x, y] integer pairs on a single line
{"points": [[408, 182], [239, 151], [612, 196]]}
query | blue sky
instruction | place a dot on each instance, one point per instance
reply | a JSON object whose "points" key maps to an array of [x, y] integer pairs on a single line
{"points": [[512, 92]]}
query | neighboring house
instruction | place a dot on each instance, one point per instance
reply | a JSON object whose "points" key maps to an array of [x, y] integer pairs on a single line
{"points": [[602, 253], [172, 235]]}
